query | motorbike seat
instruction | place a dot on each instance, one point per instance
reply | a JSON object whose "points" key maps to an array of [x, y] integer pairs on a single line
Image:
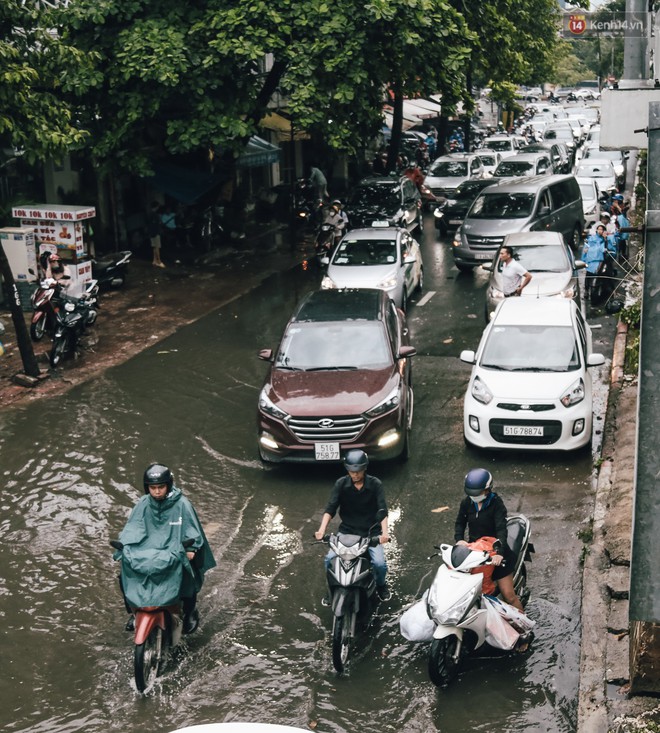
{"points": [[515, 536]]}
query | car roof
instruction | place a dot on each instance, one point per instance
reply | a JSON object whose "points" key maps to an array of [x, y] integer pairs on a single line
{"points": [[530, 184], [374, 233], [341, 305], [534, 312], [519, 239], [456, 156], [525, 157]]}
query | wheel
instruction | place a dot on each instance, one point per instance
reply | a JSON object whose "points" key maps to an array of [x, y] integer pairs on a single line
{"points": [[576, 239], [404, 301], [56, 352], [147, 659], [38, 328], [443, 666], [404, 456], [340, 641], [420, 282], [420, 224]]}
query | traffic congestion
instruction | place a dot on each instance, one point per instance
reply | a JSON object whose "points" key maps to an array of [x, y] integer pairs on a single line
{"points": [[447, 352]]}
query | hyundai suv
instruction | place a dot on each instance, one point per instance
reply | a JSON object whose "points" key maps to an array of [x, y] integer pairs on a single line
{"points": [[340, 379]]}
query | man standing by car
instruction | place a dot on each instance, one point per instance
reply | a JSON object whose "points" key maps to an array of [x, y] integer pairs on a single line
{"points": [[359, 497], [514, 276]]}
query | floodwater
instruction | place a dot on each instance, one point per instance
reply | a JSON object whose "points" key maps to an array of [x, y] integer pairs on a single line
{"points": [[71, 470]]}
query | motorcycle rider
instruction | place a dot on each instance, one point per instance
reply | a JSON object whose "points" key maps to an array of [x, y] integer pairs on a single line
{"points": [[358, 497], [484, 514], [56, 269], [162, 519], [336, 216]]}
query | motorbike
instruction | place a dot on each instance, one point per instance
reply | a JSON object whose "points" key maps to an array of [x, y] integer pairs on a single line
{"points": [[46, 302], [110, 271], [72, 319], [326, 238], [158, 631], [455, 602], [306, 209], [352, 589]]}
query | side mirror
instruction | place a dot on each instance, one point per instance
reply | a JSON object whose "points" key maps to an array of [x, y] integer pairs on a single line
{"points": [[266, 354], [467, 356], [580, 265], [409, 259], [405, 352], [544, 211], [595, 360]]}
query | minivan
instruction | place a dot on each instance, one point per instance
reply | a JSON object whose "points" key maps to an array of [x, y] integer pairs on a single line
{"points": [[537, 203]]}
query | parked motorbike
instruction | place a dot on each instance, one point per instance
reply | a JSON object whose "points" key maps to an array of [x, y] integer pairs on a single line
{"points": [[46, 302], [352, 588], [110, 271], [455, 601], [158, 631], [72, 319]]}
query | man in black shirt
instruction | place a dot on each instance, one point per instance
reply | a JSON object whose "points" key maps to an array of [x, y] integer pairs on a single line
{"points": [[359, 497]]}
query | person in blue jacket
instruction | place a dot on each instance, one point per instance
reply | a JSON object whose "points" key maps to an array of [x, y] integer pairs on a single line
{"points": [[593, 254], [157, 527]]}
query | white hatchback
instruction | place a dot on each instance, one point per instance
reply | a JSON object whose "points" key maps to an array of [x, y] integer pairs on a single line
{"points": [[531, 385]]}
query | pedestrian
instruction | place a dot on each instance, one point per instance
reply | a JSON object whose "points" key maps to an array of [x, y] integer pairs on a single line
{"points": [[161, 520], [359, 497], [168, 226], [514, 276], [319, 184], [154, 226], [484, 514], [593, 255]]}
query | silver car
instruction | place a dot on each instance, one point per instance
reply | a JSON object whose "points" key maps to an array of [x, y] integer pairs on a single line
{"points": [[525, 164], [447, 172], [387, 258], [547, 258]]}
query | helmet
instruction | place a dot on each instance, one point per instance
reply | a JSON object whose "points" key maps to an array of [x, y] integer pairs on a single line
{"points": [[156, 473], [336, 202], [356, 460], [617, 197], [605, 214], [478, 481]]}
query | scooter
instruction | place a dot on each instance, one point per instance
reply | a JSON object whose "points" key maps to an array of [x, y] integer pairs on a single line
{"points": [[158, 631], [46, 303], [352, 589], [455, 601], [72, 319], [110, 271]]}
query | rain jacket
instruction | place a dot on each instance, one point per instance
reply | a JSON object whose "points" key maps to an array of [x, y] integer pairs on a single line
{"points": [[593, 253], [154, 568]]}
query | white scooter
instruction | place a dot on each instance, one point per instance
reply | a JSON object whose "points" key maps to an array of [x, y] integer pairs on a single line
{"points": [[455, 601]]}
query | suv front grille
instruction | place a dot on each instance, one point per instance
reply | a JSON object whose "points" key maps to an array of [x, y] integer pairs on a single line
{"points": [[514, 406], [484, 242], [310, 429]]}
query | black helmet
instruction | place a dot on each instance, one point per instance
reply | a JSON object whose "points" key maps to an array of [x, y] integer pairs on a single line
{"points": [[478, 481], [356, 460], [155, 474]]}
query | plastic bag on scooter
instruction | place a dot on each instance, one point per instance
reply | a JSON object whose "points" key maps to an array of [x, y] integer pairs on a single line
{"points": [[415, 624], [520, 621], [499, 633]]}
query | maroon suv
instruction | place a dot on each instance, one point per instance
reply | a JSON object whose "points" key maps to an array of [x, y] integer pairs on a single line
{"points": [[341, 379]]}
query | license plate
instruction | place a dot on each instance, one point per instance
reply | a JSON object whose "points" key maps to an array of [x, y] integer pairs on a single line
{"points": [[524, 430], [483, 255], [326, 451], [455, 222]]}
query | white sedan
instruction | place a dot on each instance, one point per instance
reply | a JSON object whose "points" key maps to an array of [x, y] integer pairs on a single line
{"points": [[531, 385], [599, 169]]}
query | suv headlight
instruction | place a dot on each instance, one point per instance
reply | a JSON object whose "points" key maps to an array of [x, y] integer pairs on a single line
{"points": [[267, 406], [480, 391], [328, 283], [389, 403], [574, 395]]}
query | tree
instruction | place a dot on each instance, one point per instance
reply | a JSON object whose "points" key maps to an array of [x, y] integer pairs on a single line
{"points": [[34, 118]]}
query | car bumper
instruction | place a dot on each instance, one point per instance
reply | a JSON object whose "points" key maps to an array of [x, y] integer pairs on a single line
{"points": [[560, 428]]}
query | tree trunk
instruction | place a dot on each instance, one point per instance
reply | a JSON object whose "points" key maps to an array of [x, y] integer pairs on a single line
{"points": [[397, 128], [30, 366]]}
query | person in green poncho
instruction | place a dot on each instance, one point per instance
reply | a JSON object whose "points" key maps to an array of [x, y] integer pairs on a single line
{"points": [[155, 568]]}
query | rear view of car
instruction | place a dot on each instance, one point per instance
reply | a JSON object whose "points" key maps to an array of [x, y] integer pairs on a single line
{"points": [[340, 379], [531, 383]]}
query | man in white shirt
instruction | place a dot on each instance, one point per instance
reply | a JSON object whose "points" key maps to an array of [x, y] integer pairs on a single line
{"points": [[514, 275]]}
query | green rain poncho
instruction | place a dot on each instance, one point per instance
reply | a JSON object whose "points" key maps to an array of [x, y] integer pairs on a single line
{"points": [[154, 568]]}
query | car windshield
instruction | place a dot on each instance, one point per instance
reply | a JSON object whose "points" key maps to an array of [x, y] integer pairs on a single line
{"points": [[541, 258], [531, 349], [514, 168], [469, 189], [500, 145], [384, 197], [365, 252], [614, 155], [595, 171], [564, 134], [502, 206], [448, 168], [334, 346]]}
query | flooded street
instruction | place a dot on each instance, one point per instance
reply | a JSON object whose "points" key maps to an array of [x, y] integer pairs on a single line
{"points": [[72, 468]]}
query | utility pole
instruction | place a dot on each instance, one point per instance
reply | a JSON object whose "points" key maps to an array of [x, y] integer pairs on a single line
{"points": [[634, 43]]}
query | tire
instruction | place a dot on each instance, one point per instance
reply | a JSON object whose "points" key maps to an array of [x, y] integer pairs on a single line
{"points": [[404, 301], [59, 344], [522, 591], [576, 239], [420, 284], [442, 666], [38, 329], [147, 660], [341, 641]]}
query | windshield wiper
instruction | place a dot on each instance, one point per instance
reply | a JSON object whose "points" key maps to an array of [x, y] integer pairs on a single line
{"points": [[537, 369], [497, 366], [330, 369], [288, 368]]}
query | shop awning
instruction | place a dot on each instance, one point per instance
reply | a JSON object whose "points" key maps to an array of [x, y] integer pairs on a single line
{"points": [[408, 119], [411, 108], [282, 125], [431, 107], [258, 152]]}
